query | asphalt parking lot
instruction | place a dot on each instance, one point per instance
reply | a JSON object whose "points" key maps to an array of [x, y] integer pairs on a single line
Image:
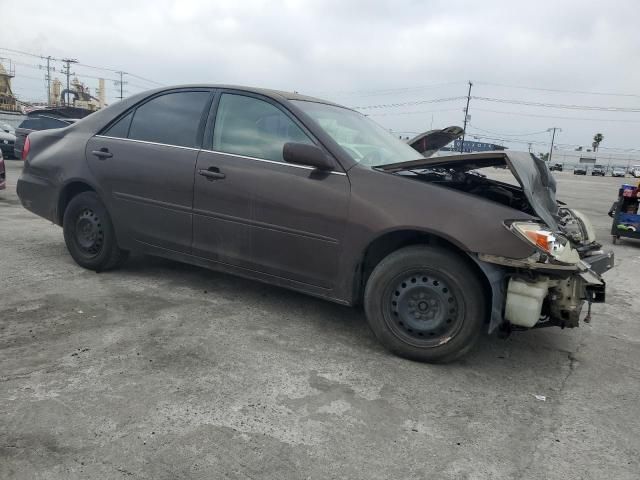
{"points": [[162, 370]]}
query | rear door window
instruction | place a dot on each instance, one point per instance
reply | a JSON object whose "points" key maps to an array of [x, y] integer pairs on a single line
{"points": [[254, 128], [172, 119]]}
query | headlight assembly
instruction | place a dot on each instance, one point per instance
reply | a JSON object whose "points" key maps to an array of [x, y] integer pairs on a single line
{"points": [[551, 243]]}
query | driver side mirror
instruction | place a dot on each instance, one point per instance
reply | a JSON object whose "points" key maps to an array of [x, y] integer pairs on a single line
{"points": [[308, 155]]}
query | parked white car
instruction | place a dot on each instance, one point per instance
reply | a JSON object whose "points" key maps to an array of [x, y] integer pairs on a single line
{"points": [[635, 171]]}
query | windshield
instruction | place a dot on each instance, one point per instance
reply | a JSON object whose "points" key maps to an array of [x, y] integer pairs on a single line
{"points": [[365, 141]]}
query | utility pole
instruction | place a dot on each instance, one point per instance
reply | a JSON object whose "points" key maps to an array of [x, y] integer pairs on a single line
{"points": [[48, 76], [48, 80], [553, 137], [68, 73], [121, 83], [466, 117]]}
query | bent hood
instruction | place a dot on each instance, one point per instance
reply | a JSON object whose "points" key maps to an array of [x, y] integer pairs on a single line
{"points": [[532, 174]]}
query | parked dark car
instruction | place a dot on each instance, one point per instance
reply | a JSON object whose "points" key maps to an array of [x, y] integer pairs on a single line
{"points": [[7, 140], [309, 195], [35, 123], [598, 170], [579, 170], [556, 167]]}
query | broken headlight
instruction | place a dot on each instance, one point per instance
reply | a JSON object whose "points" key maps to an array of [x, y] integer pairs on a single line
{"points": [[576, 226], [551, 243]]}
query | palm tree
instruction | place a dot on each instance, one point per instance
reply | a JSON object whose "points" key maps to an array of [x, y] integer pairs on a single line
{"points": [[597, 138]]}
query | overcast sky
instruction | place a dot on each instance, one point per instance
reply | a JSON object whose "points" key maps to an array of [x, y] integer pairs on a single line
{"points": [[367, 53]]}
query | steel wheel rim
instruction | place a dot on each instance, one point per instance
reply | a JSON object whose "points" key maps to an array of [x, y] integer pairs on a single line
{"points": [[89, 234], [423, 308]]}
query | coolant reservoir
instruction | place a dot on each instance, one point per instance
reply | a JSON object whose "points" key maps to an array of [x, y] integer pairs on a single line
{"points": [[524, 301]]}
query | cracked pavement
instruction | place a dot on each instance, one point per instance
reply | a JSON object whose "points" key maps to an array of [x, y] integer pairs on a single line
{"points": [[162, 370]]}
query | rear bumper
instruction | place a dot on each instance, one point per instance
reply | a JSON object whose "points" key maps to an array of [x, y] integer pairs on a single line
{"points": [[38, 195]]}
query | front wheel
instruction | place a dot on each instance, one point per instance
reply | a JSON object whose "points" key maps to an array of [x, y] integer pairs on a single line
{"points": [[425, 303], [89, 233]]}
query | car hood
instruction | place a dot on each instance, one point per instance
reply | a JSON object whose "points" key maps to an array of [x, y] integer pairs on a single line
{"points": [[532, 174]]}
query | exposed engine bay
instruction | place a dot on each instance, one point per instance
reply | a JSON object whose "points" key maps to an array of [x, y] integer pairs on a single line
{"points": [[550, 287], [475, 183]]}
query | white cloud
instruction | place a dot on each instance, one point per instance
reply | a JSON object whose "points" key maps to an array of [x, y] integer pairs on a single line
{"points": [[334, 46]]}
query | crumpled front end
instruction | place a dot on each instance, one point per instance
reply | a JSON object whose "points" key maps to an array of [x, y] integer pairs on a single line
{"points": [[552, 287]]}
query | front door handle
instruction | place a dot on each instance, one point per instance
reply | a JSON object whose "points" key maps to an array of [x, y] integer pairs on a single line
{"points": [[102, 153], [212, 173]]}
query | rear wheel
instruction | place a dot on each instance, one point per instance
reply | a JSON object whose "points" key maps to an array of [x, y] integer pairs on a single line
{"points": [[425, 303], [89, 233]]}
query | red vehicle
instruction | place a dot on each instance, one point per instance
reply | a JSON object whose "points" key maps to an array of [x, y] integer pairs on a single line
{"points": [[3, 174]]}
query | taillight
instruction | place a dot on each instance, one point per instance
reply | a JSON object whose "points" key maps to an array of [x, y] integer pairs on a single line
{"points": [[26, 148]]}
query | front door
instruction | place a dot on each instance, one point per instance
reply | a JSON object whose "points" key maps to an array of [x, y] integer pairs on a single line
{"points": [[253, 210], [145, 162]]}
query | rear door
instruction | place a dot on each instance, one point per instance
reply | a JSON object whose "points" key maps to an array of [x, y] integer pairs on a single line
{"points": [[259, 212], [144, 162]]}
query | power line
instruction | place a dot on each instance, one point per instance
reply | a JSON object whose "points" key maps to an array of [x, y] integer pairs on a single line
{"points": [[388, 91], [144, 79], [414, 112], [29, 77], [540, 142], [38, 67], [558, 90], [558, 105], [21, 52], [509, 134], [143, 87], [522, 114], [34, 55], [404, 104]]}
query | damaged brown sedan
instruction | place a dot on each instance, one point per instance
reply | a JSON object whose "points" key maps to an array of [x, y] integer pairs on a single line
{"points": [[309, 195]]}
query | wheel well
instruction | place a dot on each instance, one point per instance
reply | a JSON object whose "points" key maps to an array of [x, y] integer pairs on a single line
{"points": [[392, 241], [70, 191]]}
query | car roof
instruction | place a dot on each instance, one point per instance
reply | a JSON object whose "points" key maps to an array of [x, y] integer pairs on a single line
{"points": [[275, 94], [99, 119]]}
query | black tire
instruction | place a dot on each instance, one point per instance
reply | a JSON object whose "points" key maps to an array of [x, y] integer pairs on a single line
{"points": [[425, 303], [89, 234]]}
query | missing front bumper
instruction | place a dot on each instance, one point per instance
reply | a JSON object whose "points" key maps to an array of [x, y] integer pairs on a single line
{"points": [[535, 295]]}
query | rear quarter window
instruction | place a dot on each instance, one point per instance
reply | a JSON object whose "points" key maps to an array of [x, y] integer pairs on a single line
{"points": [[120, 129]]}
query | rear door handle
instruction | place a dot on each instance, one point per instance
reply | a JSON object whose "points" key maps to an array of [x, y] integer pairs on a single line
{"points": [[212, 173], [102, 153]]}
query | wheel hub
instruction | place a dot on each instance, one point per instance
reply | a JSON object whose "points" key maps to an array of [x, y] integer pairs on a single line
{"points": [[88, 232], [423, 307]]}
